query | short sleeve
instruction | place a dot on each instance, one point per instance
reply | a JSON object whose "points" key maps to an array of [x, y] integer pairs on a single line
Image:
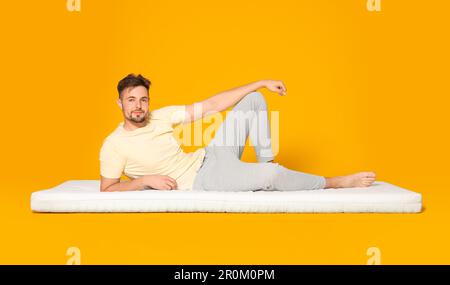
{"points": [[174, 114], [112, 164]]}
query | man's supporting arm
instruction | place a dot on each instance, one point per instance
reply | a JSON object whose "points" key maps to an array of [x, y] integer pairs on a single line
{"points": [[159, 182], [111, 185]]}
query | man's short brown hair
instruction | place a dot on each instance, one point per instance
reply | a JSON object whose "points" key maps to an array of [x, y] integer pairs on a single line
{"points": [[131, 81]]}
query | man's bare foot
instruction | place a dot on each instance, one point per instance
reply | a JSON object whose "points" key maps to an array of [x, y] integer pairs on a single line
{"points": [[360, 179]]}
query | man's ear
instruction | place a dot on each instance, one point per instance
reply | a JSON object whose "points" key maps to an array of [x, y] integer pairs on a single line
{"points": [[119, 102]]}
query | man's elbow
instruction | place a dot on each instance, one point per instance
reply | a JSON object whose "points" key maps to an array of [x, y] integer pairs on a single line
{"points": [[107, 187], [211, 106], [197, 110], [104, 189]]}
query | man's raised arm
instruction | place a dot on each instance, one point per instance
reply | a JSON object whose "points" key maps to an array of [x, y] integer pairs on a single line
{"points": [[226, 99]]}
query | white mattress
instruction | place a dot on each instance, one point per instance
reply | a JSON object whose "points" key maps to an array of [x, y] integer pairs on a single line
{"points": [[85, 196]]}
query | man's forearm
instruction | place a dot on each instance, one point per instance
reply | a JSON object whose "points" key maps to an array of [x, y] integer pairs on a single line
{"points": [[129, 185], [226, 99]]}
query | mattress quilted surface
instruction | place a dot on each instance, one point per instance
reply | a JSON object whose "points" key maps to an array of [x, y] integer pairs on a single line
{"points": [[85, 196]]}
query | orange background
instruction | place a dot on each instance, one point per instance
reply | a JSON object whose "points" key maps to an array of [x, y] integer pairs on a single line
{"points": [[366, 91]]}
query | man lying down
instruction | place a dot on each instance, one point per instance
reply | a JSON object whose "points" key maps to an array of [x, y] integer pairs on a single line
{"points": [[144, 149]]}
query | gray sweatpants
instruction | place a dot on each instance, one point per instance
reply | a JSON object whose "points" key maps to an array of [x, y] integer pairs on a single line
{"points": [[222, 169]]}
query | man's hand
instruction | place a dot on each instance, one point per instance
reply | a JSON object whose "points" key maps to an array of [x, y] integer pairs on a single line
{"points": [[159, 182], [275, 86]]}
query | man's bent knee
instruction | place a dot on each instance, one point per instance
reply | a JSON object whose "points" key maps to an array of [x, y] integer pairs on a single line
{"points": [[255, 96]]}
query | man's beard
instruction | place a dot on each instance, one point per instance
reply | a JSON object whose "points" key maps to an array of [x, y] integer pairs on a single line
{"points": [[138, 119]]}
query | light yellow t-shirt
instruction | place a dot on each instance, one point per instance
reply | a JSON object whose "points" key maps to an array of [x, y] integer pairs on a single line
{"points": [[151, 150]]}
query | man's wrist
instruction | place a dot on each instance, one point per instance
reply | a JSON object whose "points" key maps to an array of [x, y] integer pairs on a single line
{"points": [[142, 182], [260, 84]]}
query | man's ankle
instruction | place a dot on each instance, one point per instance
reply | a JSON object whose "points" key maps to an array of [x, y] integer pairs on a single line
{"points": [[332, 182]]}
